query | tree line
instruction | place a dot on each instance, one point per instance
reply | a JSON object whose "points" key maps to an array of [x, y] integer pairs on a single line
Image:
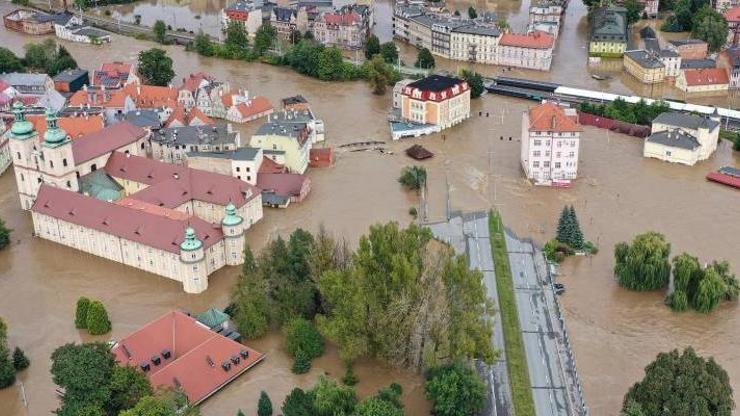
{"points": [[644, 265], [698, 17], [10, 364], [46, 57], [400, 297], [639, 113]]}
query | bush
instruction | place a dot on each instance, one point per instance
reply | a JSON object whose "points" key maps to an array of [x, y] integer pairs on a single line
{"points": [[302, 336], [4, 233], [350, 378], [413, 177], [557, 251], [455, 390], [20, 361], [83, 304], [97, 319], [7, 371], [677, 301], [301, 364], [590, 247], [264, 405], [413, 212], [643, 265]]}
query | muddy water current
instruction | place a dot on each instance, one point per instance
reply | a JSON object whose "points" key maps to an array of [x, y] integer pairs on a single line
{"points": [[615, 333]]}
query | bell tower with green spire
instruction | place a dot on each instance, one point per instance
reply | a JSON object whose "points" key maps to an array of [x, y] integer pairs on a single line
{"points": [[58, 160], [23, 142], [194, 272], [232, 226]]}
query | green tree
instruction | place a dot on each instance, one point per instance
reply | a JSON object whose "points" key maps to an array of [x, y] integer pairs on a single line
{"points": [[240, 413], [264, 38], [250, 301], [236, 41], [152, 406], [298, 403], [301, 336], [472, 14], [20, 361], [731, 283], [380, 75], [155, 67], [424, 59], [686, 274], [7, 371], [61, 61], [576, 235], [9, 62], [709, 292], [308, 35], [710, 26], [455, 390], [84, 371], [97, 319], [330, 64], [295, 36], [203, 45], [83, 305], [475, 81], [332, 399], [4, 235], [389, 52], [160, 31], [643, 265], [681, 384], [632, 408], [372, 47], [301, 363], [128, 386], [374, 406], [633, 11], [264, 405], [40, 55], [503, 24], [413, 177]]}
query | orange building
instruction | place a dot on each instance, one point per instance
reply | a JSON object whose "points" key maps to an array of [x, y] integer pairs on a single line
{"points": [[437, 99]]}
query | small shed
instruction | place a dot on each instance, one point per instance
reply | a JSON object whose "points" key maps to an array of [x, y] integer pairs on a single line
{"points": [[213, 318], [418, 152]]}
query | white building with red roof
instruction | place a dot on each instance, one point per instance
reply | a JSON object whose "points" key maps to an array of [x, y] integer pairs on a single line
{"points": [[703, 81], [531, 50], [550, 144], [101, 195], [250, 110], [177, 351]]}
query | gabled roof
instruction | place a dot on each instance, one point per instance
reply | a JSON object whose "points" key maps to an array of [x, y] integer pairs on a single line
{"points": [[551, 117], [686, 120], [534, 40], [125, 222], [173, 185], [193, 81], [256, 105], [105, 141], [212, 317], [186, 117], [675, 138], [152, 96], [196, 355], [436, 83], [707, 76], [75, 126], [285, 184], [733, 15]]}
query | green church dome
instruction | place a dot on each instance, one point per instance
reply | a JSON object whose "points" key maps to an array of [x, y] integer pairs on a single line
{"points": [[21, 128], [54, 135], [191, 242], [231, 218]]}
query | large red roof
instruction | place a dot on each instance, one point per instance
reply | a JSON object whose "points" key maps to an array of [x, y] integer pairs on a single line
{"points": [[196, 355], [534, 40], [342, 19], [172, 185], [106, 140], [551, 117], [256, 105], [733, 15], [282, 183], [707, 76], [129, 223], [75, 126]]}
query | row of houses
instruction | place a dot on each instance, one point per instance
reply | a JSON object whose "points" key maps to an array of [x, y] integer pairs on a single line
{"points": [[346, 27], [65, 25], [475, 41]]}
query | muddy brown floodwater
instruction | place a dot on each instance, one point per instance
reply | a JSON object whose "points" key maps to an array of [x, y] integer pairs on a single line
{"points": [[615, 333]]}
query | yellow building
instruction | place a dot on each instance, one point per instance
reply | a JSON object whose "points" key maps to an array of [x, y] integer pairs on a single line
{"points": [[645, 66], [286, 139], [608, 32], [437, 100]]}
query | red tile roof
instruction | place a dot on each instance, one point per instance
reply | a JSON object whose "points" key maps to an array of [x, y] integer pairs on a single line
{"points": [[192, 82], [289, 184], [106, 140], [125, 222], [256, 105], [270, 166], [551, 117], [98, 97], [534, 40], [197, 355], [75, 126], [321, 157], [152, 209], [152, 96], [173, 185], [733, 15], [187, 117], [342, 19], [708, 76]]}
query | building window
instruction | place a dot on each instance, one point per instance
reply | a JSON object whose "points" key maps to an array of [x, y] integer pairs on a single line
{"points": [[238, 169], [51, 164], [537, 142], [572, 154], [536, 153], [64, 162], [93, 167], [557, 165], [69, 184], [546, 164], [536, 164], [238, 177], [19, 155], [668, 153]]}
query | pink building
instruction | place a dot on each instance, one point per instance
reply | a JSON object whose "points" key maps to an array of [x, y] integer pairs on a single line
{"points": [[550, 142]]}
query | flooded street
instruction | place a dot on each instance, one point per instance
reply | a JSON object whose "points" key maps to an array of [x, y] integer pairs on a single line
{"points": [[615, 333]]}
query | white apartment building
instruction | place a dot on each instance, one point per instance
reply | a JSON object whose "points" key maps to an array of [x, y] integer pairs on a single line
{"points": [[682, 138], [550, 144]]}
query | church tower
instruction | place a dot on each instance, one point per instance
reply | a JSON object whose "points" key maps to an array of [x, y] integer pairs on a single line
{"points": [[193, 259], [233, 228], [23, 141], [57, 162]]}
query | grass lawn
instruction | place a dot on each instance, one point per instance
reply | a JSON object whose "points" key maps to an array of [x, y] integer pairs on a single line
{"points": [[516, 359]]}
